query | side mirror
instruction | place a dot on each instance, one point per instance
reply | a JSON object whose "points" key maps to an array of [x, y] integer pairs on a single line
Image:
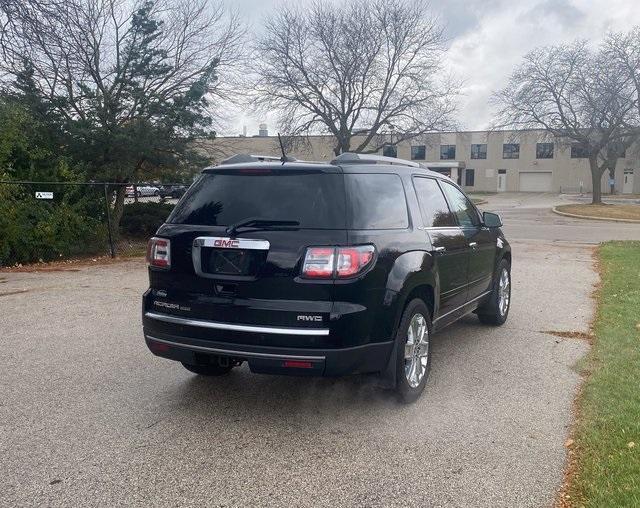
{"points": [[491, 220]]}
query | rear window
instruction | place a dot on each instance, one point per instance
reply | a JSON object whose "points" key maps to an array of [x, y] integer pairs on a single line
{"points": [[375, 201], [315, 200]]}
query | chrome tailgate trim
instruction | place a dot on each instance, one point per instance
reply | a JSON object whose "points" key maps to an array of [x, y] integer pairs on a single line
{"points": [[236, 327]]}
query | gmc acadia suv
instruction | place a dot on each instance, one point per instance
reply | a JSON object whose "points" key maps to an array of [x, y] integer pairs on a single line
{"points": [[321, 269]]}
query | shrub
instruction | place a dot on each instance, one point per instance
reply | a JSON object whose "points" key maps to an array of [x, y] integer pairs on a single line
{"points": [[143, 219], [34, 230]]}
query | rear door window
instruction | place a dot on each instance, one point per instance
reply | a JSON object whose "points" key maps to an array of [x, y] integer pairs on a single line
{"points": [[314, 199], [433, 206], [375, 201]]}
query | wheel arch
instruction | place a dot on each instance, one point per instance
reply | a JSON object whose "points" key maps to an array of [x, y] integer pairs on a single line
{"points": [[412, 274]]}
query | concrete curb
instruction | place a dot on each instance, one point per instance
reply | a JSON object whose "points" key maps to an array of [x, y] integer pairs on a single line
{"points": [[591, 217]]}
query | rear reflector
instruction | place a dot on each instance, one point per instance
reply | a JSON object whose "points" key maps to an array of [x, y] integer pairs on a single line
{"points": [[159, 253], [158, 346], [297, 364]]}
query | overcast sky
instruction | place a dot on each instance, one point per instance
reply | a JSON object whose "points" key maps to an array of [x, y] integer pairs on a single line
{"points": [[487, 38]]}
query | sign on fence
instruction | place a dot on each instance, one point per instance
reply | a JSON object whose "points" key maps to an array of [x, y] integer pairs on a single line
{"points": [[44, 195]]}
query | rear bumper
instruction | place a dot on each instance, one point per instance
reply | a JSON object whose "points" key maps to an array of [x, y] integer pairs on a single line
{"points": [[273, 360]]}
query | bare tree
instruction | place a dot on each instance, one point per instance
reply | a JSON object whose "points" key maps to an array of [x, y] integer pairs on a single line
{"points": [[571, 92], [358, 68], [623, 53], [133, 81]]}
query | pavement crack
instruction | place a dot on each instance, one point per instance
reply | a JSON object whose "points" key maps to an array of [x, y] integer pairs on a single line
{"points": [[14, 292]]}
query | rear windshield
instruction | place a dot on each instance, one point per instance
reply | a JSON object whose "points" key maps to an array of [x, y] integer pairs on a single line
{"points": [[315, 200]]}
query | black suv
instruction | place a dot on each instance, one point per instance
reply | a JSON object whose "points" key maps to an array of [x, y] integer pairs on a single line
{"points": [[321, 269]]}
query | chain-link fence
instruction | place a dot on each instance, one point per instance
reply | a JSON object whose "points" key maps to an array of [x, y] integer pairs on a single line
{"points": [[45, 221]]}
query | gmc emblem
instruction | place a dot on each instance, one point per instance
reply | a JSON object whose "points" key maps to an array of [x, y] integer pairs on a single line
{"points": [[226, 243]]}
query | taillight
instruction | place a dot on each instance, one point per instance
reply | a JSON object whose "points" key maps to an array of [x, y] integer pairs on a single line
{"points": [[319, 262], [159, 252], [336, 262], [352, 260]]}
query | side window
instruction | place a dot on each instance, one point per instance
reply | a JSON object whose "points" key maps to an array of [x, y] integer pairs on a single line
{"points": [[375, 201], [433, 207], [461, 206]]}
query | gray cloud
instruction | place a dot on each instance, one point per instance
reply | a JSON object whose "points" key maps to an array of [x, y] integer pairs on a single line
{"points": [[564, 12], [488, 38]]}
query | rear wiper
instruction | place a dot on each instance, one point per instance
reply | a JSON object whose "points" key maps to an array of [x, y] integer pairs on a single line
{"points": [[259, 223]]}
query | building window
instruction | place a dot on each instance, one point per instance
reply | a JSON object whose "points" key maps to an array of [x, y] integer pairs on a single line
{"points": [[418, 152], [447, 152], [469, 177], [511, 151], [618, 150], [579, 151], [390, 150], [544, 151], [479, 151]]}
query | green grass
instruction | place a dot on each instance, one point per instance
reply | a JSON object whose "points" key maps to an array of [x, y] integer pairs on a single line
{"points": [[607, 465]]}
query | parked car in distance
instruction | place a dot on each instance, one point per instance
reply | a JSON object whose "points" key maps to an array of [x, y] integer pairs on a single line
{"points": [[141, 190], [172, 191], [321, 269]]}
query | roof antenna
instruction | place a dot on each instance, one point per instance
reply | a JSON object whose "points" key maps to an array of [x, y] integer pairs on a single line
{"points": [[284, 155]]}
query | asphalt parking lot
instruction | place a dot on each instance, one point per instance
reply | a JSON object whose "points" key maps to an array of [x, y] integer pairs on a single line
{"points": [[89, 417]]}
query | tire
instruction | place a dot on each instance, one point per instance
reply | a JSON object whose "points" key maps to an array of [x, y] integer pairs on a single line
{"points": [[413, 364], [139, 194], [156, 193], [496, 310], [212, 369]]}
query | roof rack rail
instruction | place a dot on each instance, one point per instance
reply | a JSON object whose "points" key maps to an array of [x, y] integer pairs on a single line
{"points": [[245, 158], [355, 158]]}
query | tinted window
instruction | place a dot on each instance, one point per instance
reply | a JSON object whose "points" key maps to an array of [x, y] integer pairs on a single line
{"points": [[390, 150], [316, 200], [544, 151], [579, 151], [479, 151], [447, 152], [418, 152], [461, 206], [433, 206], [375, 201], [470, 177], [511, 151]]}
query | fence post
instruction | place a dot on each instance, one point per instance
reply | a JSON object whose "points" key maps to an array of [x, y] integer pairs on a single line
{"points": [[108, 210]]}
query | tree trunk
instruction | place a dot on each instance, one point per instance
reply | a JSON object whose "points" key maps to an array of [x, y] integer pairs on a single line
{"points": [[596, 181], [343, 146]]}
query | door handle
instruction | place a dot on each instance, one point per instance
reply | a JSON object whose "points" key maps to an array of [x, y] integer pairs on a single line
{"points": [[473, 245], [439, 249]]}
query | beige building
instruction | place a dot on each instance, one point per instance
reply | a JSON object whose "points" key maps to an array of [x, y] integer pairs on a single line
{"points": [[494, 161]]}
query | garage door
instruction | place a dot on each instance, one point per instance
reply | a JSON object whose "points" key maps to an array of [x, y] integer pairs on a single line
{"points": [[539, 181]]}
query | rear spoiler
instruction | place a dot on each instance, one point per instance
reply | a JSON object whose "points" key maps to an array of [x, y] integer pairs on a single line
{"points": [[243, 158]]}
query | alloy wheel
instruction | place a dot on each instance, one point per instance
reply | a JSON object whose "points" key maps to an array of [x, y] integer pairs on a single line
{"points": [[416, 350], [504, 292]]}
